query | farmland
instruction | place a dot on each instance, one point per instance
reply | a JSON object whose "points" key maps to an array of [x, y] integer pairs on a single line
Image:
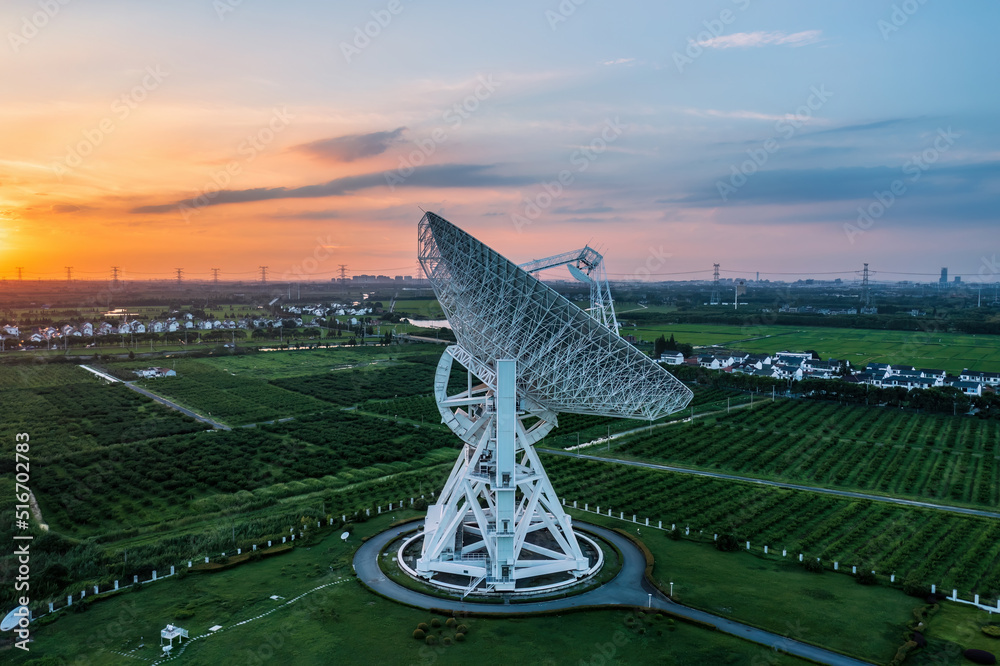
{"points": [[893, 452], [921, 546], [946, 351]]}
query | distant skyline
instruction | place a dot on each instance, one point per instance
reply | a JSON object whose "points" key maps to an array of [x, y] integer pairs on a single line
{"points": [[776, 137]]}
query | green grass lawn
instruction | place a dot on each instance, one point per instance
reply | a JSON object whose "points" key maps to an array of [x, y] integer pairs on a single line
{"points": [[955, 629], [344, 623], [825, 609]]}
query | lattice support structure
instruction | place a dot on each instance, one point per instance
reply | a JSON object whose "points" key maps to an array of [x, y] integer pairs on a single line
{"points": [[498, 520], [498, 524]]}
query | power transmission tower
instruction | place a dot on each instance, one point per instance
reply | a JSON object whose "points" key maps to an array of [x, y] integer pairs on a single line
{"points": [[69, 274], [19, 272], [343, 273], [263, 274], [114, 276], [866, 294], [716, 295], [180, 275], [215, 275]]}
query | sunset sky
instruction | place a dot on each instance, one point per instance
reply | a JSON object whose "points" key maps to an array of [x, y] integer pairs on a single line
{"points": [[240, 133]]}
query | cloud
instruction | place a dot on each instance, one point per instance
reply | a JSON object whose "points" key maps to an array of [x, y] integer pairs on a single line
{"points": [[67, 208], [743, 40], [583, 210], [310, 215], [740, 115], [619, 61], [808, 186], [447, 175], [352, 146]]}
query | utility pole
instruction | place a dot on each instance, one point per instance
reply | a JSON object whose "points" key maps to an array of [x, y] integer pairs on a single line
{"points": [[114, 276], [20, 270], [716, 299], [866, 298], [180, 275], [263, 274], [215, 275], [343, 273], [69, 274]]}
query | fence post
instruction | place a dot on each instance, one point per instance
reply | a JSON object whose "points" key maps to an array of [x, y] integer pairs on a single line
{"points": [[647, 522], [96, 592], [51, 610], [933, 589], [954, 595], [83, 593], [239, 551], [748, 545], [69, 600], [171, 570], [586, 506], [687, 530], [854, 570], [800, 557], [154, 574], [836, 566], [715, 538], [621, 515], [659, 524], [633, 518], [116, 585], [283, 539], [269, 543], [574, 504], [892, 578], [765, 550], [784, 552], [135, 578]]}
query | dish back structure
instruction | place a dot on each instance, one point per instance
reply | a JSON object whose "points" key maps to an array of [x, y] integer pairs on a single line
{"points": [[497, 525]]}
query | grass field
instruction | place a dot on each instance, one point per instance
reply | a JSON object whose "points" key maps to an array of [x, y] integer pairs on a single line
{"points": [[344, 623], [919, 456], [823, 609], [919, 545], [945, 351]]}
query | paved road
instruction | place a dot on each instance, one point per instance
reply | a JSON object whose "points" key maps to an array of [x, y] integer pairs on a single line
{"points": [[779, 484], [163, 401], [174, 405], [628, 588]]}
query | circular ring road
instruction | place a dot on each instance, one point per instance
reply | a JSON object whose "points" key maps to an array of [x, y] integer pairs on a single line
{"points": [[629, 588]]}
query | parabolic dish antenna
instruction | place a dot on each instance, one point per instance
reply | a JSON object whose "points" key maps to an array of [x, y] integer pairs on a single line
{"points": [[13, 618], [498, 525]]}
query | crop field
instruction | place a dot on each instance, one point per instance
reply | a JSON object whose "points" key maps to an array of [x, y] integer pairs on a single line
{"points": [[919, 545], [918, 456], [946, 351], [34, 376], [142, 482], [282, 364]]}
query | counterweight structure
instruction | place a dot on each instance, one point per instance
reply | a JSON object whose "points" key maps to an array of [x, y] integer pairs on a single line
{"points": [[498, 525]]}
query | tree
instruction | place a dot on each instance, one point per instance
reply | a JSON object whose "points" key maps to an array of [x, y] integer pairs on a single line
{"points": [[660, 346]]}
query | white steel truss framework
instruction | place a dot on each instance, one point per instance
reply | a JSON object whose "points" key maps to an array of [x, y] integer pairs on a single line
{"points": [[498, 520]]}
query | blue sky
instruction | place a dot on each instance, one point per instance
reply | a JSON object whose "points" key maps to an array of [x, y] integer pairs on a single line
{"points": [[754, 134]]}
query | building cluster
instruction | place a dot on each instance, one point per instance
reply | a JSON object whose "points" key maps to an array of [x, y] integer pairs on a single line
{"points": [[796, 366], [318, 317]]}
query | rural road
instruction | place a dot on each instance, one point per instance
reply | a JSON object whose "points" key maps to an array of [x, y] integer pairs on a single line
{"points": [[778, 484], [159, 399], [628, 588]]}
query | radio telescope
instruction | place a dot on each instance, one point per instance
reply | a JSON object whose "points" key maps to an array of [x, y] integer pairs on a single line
{"points": [[497, 525]]}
